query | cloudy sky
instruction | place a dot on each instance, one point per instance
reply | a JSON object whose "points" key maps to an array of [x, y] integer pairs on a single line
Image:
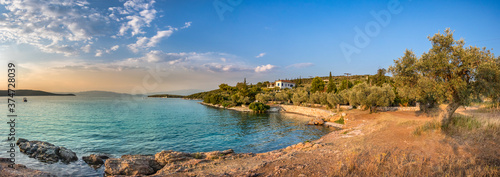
{"points": [[138, 46]]}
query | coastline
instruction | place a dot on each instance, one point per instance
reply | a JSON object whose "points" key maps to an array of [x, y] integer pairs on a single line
{"points": [[367, 137]]}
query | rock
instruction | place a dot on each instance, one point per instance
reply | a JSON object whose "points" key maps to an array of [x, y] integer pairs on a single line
{"points": [[132, 165], [307, 145], [316, 121], [316, 146], [226, 152], [299, 145], [19, 170], [67, 155], [166, 157], [45, 151], [95, 161], [213, 155]]}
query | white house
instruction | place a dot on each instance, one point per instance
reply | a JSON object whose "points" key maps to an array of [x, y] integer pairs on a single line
{"points": [[282, 84]]}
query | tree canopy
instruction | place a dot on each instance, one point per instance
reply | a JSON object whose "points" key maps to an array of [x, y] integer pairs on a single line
{"points": [[317, 84], [448, 73]]}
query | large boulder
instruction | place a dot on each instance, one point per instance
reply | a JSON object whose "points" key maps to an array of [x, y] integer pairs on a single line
{"points": [[46, 152], [132, 165], [95, 161], [166, 157], [316, 121]]}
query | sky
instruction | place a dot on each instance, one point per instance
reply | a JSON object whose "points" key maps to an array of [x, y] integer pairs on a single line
{"points": [[137, 46]]}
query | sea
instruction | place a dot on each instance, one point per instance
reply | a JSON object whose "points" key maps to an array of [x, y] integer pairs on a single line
{"points": [[116, 126]]}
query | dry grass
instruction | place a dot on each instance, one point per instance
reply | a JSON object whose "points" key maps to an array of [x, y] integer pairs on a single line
{"points": [[428, 126], [478, 136], [398, 162]]}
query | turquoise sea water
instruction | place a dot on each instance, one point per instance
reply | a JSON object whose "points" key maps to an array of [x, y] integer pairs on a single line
{"points": [[136, 125]]}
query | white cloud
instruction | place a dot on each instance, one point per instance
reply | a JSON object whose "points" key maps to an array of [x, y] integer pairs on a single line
{"points": [[260, 55], [300, 65], [114, 48], [146, 43], [98, 53], [186, 25], [138, 14], [52, 26], [159, 35], [86, 48], [264, 68]]}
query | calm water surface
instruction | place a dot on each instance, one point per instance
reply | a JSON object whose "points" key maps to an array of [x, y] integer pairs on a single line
{"points": [[136, 125]]}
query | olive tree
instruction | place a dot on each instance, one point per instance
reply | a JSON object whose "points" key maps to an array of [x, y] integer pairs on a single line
{"points": [[448, 73], [318, 98], [335, 99], [371, 96], [300, 96]]}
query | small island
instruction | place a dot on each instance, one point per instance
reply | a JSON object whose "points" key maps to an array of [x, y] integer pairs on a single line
{"points": [[166, 96], [26, 92]]}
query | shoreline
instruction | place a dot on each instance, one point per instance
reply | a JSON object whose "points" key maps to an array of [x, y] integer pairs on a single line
{"points": [[230, 156], [366, 137]]}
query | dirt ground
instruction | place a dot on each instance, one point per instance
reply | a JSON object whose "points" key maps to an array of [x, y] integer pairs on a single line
{"points": [[378, 144]]}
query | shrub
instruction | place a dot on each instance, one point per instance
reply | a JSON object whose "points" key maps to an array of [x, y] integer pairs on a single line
{"points": [[282, 96], [300, 96], [338, 98], [259, 107], [340, 121], [431, 125], [197, 155], [318, 98], [317, 84], [263, 97]]}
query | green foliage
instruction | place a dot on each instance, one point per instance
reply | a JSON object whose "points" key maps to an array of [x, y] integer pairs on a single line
{"points": [[264, 97], [346, 84], [463, 122], [332, 87], [379, 79], [447, 73], [318, 98], [340, 121], [431, 125], [258, 107], [300, 96], [197, 155], [338, 98], [283, 96], [371, 97], [317, 84]]}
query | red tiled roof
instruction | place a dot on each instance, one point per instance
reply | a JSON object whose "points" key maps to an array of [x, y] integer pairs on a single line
{"points": [[285, 81]]}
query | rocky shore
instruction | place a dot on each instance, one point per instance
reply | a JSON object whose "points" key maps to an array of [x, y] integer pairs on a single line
{"points": [[166, 162], [46, 152]]}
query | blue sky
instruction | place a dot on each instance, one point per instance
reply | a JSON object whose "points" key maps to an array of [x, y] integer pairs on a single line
{"points": [[136, 46]]}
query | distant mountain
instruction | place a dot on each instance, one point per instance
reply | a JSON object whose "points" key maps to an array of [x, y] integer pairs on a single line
{"points": [[97, 93], [178, 92], [26, 92]]}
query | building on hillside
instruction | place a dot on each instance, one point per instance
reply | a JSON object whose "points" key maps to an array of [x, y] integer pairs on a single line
{"points": [[282, 84]]}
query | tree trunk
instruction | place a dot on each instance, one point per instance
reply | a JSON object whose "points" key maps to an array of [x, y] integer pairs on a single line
{"points": [[450, 109], [338, 107]]}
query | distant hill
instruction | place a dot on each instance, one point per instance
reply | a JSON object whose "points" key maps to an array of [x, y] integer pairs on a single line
{"points": [[34, 93], [179, 92], [97, 93], [167, 96]]}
